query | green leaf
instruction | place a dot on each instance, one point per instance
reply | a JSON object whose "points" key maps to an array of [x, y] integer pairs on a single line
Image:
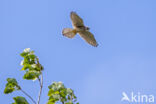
{"points": [[23, 54], [31, 75], [32, 56], [28, 60], [11, 86], [63, 93], [52, 100], [25, 67], [51, 91], [35, 67], [12, 81], [49, 102], [20, 100], [8, 90]]}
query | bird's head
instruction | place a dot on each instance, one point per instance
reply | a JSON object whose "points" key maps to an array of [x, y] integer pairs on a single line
{"points": [[87, 28]]}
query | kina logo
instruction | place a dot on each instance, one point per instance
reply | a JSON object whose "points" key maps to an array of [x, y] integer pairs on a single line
{"points": [[137, 97]]}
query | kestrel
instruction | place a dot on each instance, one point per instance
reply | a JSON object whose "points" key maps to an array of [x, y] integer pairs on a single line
{"points": [[81, 29]]}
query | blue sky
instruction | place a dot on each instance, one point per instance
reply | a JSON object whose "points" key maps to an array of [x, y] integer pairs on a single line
{"points": [[125, 59]]}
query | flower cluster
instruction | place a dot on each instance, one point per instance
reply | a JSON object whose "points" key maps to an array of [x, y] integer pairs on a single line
{"points": [[59, 93]]}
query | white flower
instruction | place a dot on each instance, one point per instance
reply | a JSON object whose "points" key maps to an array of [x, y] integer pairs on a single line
{"points": [[31, 53], [60, 85], [26, 50], [34, 65], [69, 91], [22, 62], [60, 82]]}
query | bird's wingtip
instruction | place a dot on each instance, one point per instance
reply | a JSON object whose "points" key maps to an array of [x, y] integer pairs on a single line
{"points": [[97, 45], [72, 12]]}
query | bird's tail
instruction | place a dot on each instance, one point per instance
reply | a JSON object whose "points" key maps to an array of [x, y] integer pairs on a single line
{"points": [[68, 32]]}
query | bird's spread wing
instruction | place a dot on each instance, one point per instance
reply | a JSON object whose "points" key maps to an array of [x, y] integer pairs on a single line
{"points": [[76, 20], [88, 37], [68, 32]]}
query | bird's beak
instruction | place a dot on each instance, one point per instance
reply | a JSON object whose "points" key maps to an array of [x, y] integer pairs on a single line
{"points": [[87, 28]]}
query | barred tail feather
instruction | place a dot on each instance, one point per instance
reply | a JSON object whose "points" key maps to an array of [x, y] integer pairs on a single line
{"points": [[68, 32]]}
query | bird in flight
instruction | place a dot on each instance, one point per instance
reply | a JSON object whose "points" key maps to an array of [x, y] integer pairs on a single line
{"points": [[81, 29]]}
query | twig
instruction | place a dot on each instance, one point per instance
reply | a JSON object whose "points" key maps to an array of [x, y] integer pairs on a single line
{"points": [[62, 102], [41, 86], [28, 96]]}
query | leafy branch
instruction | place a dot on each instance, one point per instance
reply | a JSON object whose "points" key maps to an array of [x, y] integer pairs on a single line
{"points": [[33, 70]]}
